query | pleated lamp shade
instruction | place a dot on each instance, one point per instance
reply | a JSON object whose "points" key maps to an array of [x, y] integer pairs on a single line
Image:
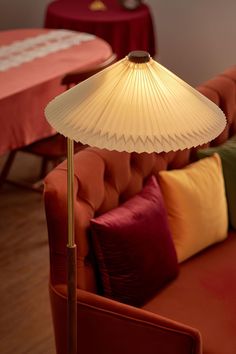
{"points": [[136, 105]]}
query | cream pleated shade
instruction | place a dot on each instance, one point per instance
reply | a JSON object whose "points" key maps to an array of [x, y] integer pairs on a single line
{"points": [[136, 105]]}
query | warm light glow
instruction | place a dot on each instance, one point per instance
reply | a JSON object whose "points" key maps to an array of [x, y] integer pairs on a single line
{"points": [[97, 5], [140, 107]]}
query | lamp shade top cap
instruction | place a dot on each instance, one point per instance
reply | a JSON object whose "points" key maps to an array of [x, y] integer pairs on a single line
{"points": [[139, 56]]}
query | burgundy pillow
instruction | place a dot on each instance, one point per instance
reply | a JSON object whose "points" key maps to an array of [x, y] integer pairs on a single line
{"points": [[133, 247]]}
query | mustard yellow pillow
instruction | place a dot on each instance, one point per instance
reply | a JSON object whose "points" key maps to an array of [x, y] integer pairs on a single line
{"points": [[196, 205]]}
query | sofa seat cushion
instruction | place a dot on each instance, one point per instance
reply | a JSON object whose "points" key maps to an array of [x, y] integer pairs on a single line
{"points": [[204, 296]]}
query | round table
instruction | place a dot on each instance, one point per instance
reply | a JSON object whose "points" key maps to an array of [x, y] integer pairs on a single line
{"points": [[124, 30], [27, 88]]}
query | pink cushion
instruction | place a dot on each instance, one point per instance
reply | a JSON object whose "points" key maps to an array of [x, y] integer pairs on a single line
{"points": [[134, 248]]}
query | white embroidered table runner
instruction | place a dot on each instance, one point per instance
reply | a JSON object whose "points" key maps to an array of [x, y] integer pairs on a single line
{"points": [[28, 49]]}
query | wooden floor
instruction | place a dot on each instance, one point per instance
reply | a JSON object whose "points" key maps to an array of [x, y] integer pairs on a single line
{"points": [[25, 318]]}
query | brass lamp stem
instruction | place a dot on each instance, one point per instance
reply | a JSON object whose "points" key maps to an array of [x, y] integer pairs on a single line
{"points": [[71, 255], [70, 191]]}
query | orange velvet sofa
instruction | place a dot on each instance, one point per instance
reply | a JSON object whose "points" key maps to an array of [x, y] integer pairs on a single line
{"points": [[187, 316]]}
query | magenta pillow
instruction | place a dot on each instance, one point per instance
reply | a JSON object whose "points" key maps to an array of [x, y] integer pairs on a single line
{"points": [[134, 248]]}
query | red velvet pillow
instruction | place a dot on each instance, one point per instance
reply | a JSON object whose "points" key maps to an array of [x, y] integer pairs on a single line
{"points": [[134, 248]]}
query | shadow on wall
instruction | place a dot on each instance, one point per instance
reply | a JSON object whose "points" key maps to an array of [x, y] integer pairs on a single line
{"points": [[22, 14]]}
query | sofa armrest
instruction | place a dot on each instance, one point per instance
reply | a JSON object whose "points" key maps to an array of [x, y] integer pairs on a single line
{"points": [[109, 327]]}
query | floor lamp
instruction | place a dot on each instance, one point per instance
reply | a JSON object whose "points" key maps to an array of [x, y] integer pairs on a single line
{"points": [[134, 105]]}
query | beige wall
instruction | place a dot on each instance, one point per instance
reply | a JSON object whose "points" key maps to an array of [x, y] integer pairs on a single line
{"points": [[22, 13], [196, 38]]}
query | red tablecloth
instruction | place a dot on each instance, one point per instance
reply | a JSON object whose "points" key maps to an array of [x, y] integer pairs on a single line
{"points": [[125, 30], [27, 88]]}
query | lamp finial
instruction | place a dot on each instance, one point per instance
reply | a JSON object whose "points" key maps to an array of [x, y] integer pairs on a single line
{"points": [[139, 56]]}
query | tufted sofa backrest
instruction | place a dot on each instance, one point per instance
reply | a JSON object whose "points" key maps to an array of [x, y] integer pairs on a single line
{"points": [[104, 179]]}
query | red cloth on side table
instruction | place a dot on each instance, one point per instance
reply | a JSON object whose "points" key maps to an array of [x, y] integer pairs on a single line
{"points": [[124, 30]]}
